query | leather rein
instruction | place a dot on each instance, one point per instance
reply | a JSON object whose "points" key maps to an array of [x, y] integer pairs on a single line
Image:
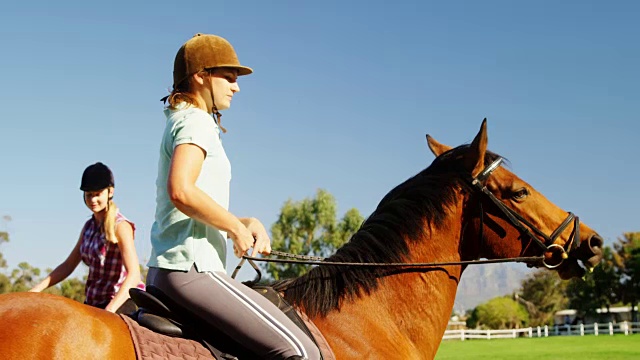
{"points": [[478, 183]]}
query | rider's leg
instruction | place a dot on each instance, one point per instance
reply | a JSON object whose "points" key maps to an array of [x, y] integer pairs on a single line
{"points": [[238, 310]]}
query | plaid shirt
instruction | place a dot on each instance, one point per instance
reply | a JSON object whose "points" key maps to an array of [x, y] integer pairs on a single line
{"points": [[106, 268]]}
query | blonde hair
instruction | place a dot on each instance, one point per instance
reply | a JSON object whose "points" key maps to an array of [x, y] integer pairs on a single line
{"points": [[109, 223], [182, 94]]}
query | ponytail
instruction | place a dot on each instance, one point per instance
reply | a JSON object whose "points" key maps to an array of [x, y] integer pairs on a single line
{"points": [[182, 94], [109, 225]]}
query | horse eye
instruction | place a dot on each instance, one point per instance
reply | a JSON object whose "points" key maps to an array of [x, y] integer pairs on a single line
{"points": [[520, 194]]}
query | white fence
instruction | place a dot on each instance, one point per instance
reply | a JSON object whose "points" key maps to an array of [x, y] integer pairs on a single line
{"points": [[596, 329]]}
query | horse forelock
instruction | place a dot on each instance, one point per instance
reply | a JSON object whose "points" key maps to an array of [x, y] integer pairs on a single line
{"points": [[386, 236]]}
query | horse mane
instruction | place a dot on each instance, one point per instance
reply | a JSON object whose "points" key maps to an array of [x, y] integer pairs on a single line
{"points": [[401, 214]]}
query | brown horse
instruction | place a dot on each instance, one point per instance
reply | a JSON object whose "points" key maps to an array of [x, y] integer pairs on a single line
{"points": [[461, 208]]}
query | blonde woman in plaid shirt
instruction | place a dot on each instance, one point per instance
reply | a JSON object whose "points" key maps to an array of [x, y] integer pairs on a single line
{"points": [[105, 245]]}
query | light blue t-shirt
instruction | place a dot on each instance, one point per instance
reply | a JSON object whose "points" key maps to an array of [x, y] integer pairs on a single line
{"points": [[177, 240]]}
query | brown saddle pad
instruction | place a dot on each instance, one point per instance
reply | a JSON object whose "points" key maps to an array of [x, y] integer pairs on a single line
{"points": [[150, 345]]}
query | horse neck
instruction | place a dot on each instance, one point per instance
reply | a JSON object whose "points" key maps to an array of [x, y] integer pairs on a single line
{"points": [[409, 311]]}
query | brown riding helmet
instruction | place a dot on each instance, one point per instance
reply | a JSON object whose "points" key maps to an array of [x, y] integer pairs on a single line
{"points": [[205, 51]]}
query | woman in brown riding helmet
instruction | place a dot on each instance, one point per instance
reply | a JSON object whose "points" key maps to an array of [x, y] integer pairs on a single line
{"points": [[192, 221]]}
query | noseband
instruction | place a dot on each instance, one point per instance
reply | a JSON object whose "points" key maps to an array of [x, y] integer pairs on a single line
{"points": [[524, 226], [478, 183]]}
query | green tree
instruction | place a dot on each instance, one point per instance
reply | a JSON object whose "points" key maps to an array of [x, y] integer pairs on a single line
{"points": [[4, 237], [73, 288], [499, 313], [310, 227], [24, 277], [543, 293], [5, 284], [596, 290], [627, 260]]}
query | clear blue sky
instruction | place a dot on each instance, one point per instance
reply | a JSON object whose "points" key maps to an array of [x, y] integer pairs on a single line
{"points": [[342, 96]]}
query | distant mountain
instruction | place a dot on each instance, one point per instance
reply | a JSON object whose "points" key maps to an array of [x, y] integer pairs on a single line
{"points": [[483, 282]]}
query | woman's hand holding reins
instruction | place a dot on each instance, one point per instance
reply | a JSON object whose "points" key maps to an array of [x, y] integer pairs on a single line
{"points": [[253, 234], [262, 242], [242, 240]]}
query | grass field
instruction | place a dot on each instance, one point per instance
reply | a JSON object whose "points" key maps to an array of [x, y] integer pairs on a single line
{"points": [[617, 347]]}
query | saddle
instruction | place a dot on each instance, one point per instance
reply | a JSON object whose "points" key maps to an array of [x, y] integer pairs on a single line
{"points": [[158, 313]]}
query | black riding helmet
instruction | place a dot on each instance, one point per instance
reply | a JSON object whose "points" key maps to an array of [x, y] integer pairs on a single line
{"points": [[96, 177]]}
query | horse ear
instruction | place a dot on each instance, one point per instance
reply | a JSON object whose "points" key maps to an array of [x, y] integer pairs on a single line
{"points": [[475, 160], [437, 148]]}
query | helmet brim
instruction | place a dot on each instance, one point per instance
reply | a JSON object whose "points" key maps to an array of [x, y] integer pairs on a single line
{"points": [[94, 188], [242, 70]]}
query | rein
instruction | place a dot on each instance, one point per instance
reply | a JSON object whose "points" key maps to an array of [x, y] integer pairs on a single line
{"points": [[478, 183], [316, 260]]}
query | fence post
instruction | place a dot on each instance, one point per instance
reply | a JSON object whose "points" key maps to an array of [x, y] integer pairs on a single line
{"points": [[610, 328], [626, 327], [581, 329], [568, 329], [557, 330], [462, 334], [513, 333], [595, 329], [530, 332], [538, 330], [546, 331], [489, 334]]}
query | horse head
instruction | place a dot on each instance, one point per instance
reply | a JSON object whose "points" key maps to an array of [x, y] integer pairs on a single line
{"points": [[505, 217]]}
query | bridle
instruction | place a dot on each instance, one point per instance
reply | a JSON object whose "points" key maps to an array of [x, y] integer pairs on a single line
{"points": [[479, 183], [524, 226]]}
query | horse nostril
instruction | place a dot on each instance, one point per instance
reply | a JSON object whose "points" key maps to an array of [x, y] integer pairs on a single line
{"points": [[595, 242], [590, 251]]}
